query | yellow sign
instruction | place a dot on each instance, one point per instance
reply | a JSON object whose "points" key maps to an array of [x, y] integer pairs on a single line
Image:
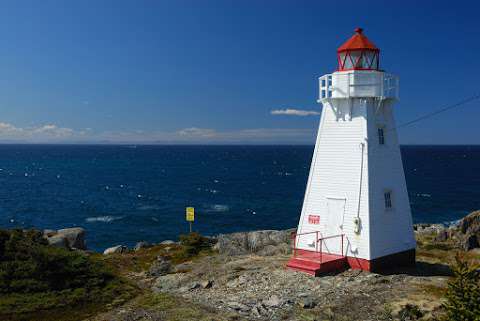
{"points": [[190, 214]]}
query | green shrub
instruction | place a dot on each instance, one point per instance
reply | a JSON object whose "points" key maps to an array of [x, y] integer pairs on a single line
{"points": [[463, 293], [35, 276], [410, 312], [191, 245]]}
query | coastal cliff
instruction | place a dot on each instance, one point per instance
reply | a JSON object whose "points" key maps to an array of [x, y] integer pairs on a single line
{"points": [[242, 276]]}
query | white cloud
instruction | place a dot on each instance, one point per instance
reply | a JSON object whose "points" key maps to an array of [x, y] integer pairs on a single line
{"points": [[53, 131], [9, 129], [189, 135], [39, 133], [197, 132], [294, 112]]}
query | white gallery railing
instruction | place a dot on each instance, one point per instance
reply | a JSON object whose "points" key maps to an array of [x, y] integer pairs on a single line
{"points": [[358, 84]]}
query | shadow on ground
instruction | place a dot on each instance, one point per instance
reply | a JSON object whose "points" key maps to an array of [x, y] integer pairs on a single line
{"points": [[422, 269]]}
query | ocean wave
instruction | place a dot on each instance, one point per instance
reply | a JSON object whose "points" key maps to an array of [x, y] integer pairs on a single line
{"points": [[148, 207], [423, 195], [219, 208], [103, 219], [452, 223]]}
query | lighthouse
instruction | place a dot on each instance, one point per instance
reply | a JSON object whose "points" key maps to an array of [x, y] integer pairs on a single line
{"points": [[356, 211]]}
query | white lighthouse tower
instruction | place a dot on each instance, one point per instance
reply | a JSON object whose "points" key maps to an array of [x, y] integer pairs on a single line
{"points": [[356, 210]]}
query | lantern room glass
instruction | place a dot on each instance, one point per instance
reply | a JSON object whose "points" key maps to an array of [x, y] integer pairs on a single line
{"points": [[358, 59]]}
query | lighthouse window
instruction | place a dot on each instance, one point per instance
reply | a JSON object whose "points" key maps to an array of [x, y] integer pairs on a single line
{"points": [[356, 61], [368, 59], [348, 62], [342, 60], [388, 199], [381, 136]]}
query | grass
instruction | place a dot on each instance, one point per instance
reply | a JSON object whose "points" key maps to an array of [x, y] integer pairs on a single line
{"points": [[42, 282], [137, 261], [192, 247], [178, 309], [434, 291]]}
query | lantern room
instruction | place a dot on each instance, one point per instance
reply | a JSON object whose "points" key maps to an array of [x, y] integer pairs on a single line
{"points": [[358, 53]]}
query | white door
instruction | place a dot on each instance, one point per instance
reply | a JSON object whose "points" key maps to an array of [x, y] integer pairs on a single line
{"points": [[334, 225]]}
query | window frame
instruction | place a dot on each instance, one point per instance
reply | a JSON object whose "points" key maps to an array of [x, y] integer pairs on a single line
{"points": [[381, 138], [388, 202]]}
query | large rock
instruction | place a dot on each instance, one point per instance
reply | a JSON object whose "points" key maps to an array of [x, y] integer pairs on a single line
{"points": [[425, 228], [271, 250], [442, 235], [47, 233], [182, 267], [307, 303], [161, 266], [68, 238], [470, 224], [206, 284], [471, 242], [260, 242], [115, 249], [167, 242], [75, 237], [467, 232], [141, 245], [169, 282], [58, 241], [273, 302]]}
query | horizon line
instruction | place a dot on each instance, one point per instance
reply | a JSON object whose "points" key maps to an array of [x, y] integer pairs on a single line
{"points": [[186, 144]]}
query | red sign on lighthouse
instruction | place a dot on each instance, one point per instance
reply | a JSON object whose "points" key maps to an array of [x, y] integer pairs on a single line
{"points": [[313, 219]]}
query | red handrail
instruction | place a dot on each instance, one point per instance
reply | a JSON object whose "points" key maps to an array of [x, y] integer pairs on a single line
{"points": [[331, 236], [294, 243], [318, 247], [305, 233]]}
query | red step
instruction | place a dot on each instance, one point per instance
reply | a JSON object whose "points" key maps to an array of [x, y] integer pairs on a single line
{"points": [[314, 267]]}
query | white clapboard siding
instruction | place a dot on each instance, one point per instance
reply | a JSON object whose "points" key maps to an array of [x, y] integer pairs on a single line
{"points": [[340, 190], [391, 229]]}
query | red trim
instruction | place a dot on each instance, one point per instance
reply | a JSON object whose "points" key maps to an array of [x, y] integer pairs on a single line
{"points": [[405, 258], [355, 49], [358, 264], [350, 69]]}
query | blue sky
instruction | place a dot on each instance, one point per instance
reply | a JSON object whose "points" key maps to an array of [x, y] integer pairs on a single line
{"points": [[213, 71]]}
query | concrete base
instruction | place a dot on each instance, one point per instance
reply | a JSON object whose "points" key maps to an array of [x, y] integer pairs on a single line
{"points": [[378, 265]]}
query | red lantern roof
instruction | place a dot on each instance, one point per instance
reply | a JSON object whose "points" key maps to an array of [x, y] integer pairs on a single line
{"points": [[358, 53], [358, 42]]}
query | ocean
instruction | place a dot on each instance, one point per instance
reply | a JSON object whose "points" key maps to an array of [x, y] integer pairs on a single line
{"points": [[125, 194]]}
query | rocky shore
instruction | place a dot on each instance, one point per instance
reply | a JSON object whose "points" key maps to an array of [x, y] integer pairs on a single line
{"points": [[243, 277], [465, 234]]}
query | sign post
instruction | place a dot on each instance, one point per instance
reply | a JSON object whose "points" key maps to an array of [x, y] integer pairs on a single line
{"points": [[190, 216]]}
